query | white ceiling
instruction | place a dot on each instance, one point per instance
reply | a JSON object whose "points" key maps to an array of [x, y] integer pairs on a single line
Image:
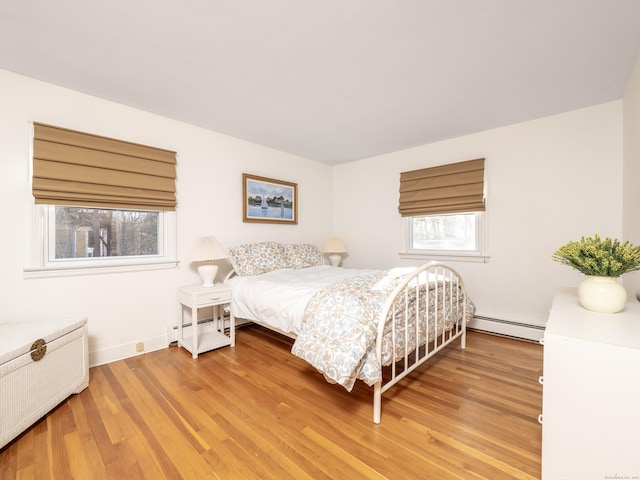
{"points": [[331, 80]]}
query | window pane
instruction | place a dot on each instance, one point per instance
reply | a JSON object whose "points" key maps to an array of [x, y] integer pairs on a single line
{"points": [[93, 232], [457, 232]]}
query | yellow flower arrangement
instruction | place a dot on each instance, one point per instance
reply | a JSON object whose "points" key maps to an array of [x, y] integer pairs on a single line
{"points": [[597, 257]]}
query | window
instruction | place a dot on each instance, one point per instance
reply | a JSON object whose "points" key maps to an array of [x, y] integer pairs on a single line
{"points": [[443, 209], [458, 234], [100, 202], [71, 240], [83, 233]]}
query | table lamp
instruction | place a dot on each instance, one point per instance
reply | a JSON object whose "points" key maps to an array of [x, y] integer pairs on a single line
{"points": [[334, 247], [206, 251]]}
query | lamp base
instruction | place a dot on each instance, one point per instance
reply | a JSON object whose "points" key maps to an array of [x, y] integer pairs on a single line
{"points": [[207, 272], [335, 259]]}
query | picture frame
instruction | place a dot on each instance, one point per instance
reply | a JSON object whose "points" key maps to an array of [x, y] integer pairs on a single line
{"points": [[267, 200]]}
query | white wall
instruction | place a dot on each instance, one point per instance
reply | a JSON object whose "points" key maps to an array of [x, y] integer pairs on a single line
{"points": [[125, 308], [631, 172], [550, 181]]}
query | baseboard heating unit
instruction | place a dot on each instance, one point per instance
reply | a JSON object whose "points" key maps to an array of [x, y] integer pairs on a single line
{"points": [[507, 328]]}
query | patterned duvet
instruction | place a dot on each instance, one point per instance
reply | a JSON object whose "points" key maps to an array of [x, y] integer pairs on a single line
{"points": [[340, 324]]}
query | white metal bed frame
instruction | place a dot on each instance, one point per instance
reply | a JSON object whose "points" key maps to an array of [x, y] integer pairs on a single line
{"points": [[450, 284]]}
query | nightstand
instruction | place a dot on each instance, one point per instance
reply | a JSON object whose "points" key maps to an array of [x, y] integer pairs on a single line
{"points": [[210, 335]]}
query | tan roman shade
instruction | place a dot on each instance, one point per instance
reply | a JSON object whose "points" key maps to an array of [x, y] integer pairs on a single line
{"points": [[452, 188], [76, 168]]}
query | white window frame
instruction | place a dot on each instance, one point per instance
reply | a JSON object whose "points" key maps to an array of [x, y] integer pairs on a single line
{"points": [[478, 255], [41, 266]]}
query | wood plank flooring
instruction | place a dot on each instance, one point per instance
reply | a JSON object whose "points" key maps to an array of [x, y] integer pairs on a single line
{"points": [[257, 412]]}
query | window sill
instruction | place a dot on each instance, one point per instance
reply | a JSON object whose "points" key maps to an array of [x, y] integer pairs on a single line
{"points": [[450, 257], [68, 271]]}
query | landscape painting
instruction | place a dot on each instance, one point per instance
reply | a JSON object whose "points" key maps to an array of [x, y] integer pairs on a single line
{"points": [[268, 200]]}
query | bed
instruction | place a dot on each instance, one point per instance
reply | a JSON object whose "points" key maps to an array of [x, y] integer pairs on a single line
{"points": [[376, 326]]}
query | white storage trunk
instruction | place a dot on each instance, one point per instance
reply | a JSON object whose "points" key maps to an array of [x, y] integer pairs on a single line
{"points": [[41, 364]]}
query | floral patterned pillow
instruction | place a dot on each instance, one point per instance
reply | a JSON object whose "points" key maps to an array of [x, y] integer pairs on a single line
{"points": [[302, 255], [256, 258]]}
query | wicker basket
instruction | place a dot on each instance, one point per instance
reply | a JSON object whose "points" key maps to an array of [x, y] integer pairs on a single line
{"points": [[41, 364]]}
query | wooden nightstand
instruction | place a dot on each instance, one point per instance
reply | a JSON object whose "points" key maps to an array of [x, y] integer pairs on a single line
{"points": [[210, 335]]}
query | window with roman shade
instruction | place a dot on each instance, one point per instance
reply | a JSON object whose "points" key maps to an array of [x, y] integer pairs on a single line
{"points": [[81, 169], [451, 188]]}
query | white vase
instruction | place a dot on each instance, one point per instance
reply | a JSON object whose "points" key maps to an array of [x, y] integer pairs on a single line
{"points": [[602, 294]]}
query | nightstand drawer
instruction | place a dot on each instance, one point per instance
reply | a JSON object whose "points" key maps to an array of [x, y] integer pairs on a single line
{"points": [[196, 296], [216, 295]]}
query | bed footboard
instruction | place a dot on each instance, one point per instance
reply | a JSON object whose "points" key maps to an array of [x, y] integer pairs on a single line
{"points": [[427, 311]]}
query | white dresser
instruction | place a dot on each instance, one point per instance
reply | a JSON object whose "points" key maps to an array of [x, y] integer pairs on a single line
{"points": [[591, 392]]}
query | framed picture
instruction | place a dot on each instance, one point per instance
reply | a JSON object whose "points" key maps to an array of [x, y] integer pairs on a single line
{"points": [[266, 200]]}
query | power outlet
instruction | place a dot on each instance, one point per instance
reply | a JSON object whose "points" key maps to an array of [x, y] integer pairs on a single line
{"points": [[140, 347]]}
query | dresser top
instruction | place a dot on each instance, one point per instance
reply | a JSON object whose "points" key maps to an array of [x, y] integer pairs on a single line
{"points": [[570, 319]]}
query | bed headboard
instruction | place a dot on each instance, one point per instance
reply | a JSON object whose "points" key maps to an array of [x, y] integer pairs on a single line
{"points": [[262, 257]]}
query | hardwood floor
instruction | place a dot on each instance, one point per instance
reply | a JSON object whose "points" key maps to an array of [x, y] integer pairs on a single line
{"points": [[256, 411]]}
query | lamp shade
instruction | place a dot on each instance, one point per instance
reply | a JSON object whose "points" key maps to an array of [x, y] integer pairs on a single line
{"points": [[208, 249], [334, 245]]}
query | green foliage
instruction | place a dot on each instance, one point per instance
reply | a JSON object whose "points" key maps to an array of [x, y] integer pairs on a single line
{"points": [[597, 257]]}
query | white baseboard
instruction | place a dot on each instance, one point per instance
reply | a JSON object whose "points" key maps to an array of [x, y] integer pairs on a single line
{"points": [[484, 324], [507, 328], [127, 350]]}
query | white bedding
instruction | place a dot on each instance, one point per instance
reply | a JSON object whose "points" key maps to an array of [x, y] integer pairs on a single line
{"points": [[279, 298]]}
